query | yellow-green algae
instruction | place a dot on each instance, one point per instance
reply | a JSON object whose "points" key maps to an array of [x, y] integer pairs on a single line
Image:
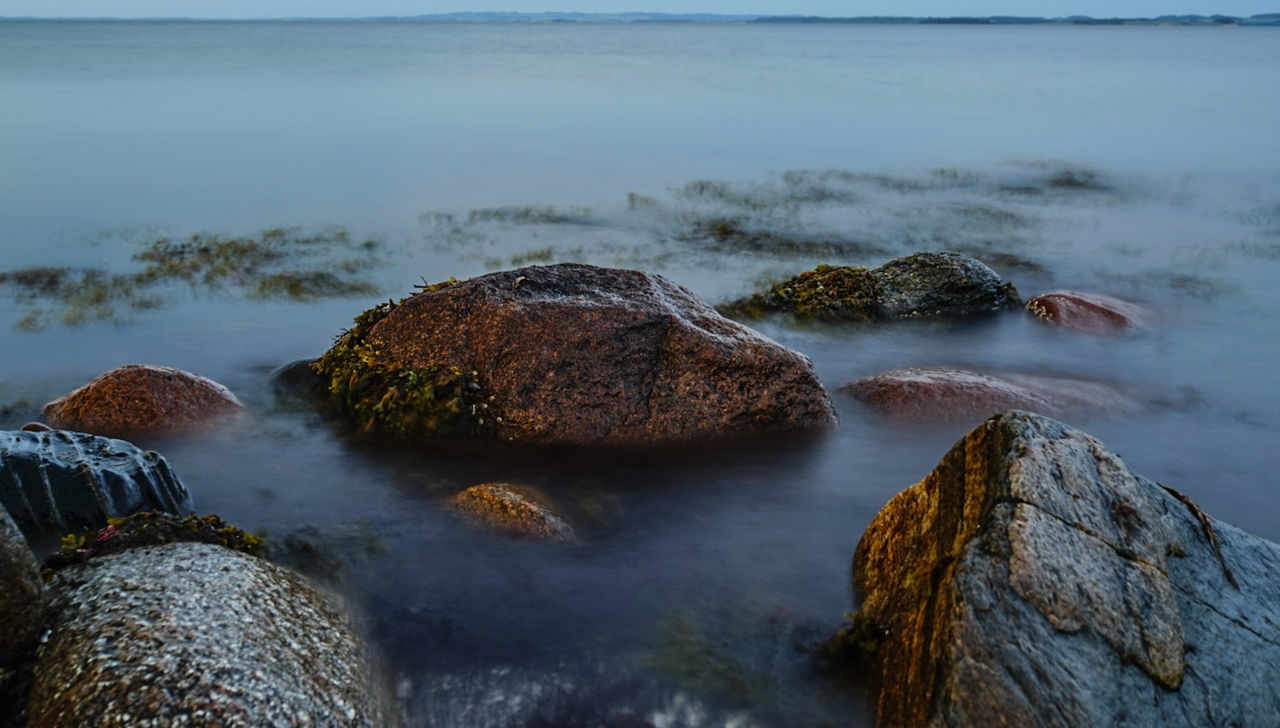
{"points": [[151, 528], [826, 293], [381, 396]]}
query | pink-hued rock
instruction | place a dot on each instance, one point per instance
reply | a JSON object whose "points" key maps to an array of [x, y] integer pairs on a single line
{"points": [[1088, 312], [943, 394], [141, 399]]}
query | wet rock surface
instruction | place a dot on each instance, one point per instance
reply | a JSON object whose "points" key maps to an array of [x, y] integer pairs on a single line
{"points": [[515, 510], [944, 394], [1032, 579], [199, 635], [22, 595], [56, 482], [1091, 313], [143, 400], [921, 285], [572, 354]]}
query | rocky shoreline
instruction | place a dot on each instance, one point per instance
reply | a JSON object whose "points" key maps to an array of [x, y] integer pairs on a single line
{"points": [[1031, 579]]}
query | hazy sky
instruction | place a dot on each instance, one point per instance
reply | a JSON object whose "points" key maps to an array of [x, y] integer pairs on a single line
{"points": [[341, 8]]}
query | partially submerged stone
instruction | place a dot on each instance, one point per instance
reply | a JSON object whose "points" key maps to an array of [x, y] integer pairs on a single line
{"points": [[516, 510], [1032, 579], [143, 400], [922, 285], [57, 482], [199, 635], [1088, 312], [945, 394], [567, 353]]}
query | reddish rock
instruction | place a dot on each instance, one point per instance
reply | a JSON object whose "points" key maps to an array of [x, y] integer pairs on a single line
{"points": [[942, 394], [1089, 312], [573, 353], [515, 510], [141, 399], [36, 427]]}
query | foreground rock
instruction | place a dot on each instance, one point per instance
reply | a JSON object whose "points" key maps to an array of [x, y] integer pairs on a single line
{"points": [[198, 635], [923, 285], [21, 601], [143, 400], [567, 353], [1091, 313], [943, 394], [515, 510], [1032, 579], [57, 482]]}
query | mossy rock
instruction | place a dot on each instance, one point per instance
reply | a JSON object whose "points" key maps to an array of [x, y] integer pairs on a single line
{"points": [[148, 529], [515, 510], [921, 285]]}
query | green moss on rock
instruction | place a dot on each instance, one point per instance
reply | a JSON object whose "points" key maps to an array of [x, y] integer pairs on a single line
{"points": [[151, 528], [381, 396], [826, 293]]}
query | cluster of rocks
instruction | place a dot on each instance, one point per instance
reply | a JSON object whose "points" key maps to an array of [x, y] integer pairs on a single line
{"points": [[1031, 579]]}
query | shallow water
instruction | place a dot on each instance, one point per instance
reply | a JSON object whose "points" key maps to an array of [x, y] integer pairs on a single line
{"points": [[721, 157]]}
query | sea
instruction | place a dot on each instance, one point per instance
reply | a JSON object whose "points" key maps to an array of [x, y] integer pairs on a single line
{"points": [[224, 197]]}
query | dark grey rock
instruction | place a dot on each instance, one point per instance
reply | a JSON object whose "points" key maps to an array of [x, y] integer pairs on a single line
{"points": [[199, 635], [1032, 579], [57, 482], [21, 612], [941, 284]]}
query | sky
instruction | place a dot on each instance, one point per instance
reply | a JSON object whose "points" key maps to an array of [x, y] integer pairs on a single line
{"points": [[365, 8]]}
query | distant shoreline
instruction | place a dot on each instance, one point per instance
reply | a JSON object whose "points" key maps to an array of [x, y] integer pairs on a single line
{"points": [[1262, 20]]}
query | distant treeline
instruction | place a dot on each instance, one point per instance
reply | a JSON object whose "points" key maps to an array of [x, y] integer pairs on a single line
{"points": [[1272, 19]]}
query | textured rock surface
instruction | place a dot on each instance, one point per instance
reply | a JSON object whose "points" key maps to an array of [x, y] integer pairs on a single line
{"points": [[1031, 579], [198, 635], [943, 394], [921, 285], [573, 353], [57, 482], [21, 594], [141, 399], [516, 510], [1089, 312]]}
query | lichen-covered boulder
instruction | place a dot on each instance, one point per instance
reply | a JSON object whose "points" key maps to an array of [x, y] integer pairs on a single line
{"points": [[1091, 313], [921, 285], [199, 635], [567, 353], [1032, 579], [55, 482], [944, 394], [21, 596], [516, 510], [143, 400]]}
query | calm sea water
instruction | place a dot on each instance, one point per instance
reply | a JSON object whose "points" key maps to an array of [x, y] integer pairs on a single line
{"points": [[462, 149]]}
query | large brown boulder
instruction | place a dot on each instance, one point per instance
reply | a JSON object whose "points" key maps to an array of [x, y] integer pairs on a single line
{"points": [[1033, 580], [944, 394], [199, 635], [143, 400], [568, 353], [1091, 313]]}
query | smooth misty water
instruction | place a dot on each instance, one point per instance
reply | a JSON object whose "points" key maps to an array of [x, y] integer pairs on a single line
{"points": [[448, 146]]}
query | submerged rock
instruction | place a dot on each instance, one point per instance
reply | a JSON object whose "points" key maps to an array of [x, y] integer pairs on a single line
{"points": [[943, 394], [142, 400], [199, 635], [567, 353], [516, 510], [1032, 579], [922, 285], [1091, 313], [57, 482]]}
